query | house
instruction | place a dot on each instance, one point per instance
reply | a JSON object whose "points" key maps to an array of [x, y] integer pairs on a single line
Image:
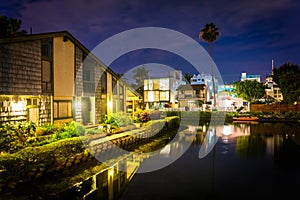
{"points": [[227, 98], [52, 77], [272, 89], [160, 92], [250, 77], [206, 78], [191, 97]]}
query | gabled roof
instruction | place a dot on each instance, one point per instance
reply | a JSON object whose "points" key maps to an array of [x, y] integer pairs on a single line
{"points": [[65, 34], [191, 87], [39, 36]]}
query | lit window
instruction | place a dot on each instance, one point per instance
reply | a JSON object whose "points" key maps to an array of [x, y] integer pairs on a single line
{"points": [[62, 109]]}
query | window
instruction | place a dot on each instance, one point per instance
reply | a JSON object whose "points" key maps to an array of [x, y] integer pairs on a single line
{"points": [[146, 85], [32, 102], [62, 109], [46, 76], [156, 95], [121, 90], [46, 51], [164, 84], [88, 80], [114, 86], [156, 84], [104, 83], [164, 96]]}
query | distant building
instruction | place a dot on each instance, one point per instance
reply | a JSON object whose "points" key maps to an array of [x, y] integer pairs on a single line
{"points": [[160, 92], [192, 96], [198, 79], [206, 79], [272, 88], [246, 76], [227, 89], [227, 98]]}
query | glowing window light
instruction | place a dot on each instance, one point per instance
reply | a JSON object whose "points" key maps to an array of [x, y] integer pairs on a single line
{"points": [[18, 106]]}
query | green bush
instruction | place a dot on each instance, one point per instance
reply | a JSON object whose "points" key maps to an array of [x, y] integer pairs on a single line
{"points": [[121, 119], [172, 113], [14, 137], [16, 166]]}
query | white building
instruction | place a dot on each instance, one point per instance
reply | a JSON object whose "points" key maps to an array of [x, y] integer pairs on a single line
{"points": [[253, 77], [205, 78], [160, 92], [272, 88]]}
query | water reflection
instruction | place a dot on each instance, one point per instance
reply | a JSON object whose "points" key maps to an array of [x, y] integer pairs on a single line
{"points": [[109, 183], [241, 157], [250, 139], [248, 161]]}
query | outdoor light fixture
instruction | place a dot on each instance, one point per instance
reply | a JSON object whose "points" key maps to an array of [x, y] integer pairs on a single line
{"points": [[111, 172], [78, 104], [110, 105]]}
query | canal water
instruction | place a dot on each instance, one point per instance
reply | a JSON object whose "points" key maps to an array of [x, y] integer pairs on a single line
{"points": [[249, 161], [233, 161]]}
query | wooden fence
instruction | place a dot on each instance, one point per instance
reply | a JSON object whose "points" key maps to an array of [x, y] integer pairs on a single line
{"points": [[277, 107]]}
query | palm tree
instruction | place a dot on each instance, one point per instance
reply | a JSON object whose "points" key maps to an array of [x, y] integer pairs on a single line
{"points": [[187, 77], [209, 34]]}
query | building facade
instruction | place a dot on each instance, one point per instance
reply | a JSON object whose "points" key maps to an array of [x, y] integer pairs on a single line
{"points": [[48, 78], [160, 93], [272, 88], [191, 97], [250, 77]]}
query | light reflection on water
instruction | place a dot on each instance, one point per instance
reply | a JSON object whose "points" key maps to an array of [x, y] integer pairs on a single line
{"points": [[250, 161]]}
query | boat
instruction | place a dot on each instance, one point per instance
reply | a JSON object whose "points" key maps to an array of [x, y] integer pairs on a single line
{"points": [[245, 118]]}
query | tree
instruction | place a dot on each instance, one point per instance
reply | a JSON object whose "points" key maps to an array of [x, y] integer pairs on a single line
{"points": [[287, 77], [249, 90], [209, 34], [139, 75], [187, 77], [10, 27]]}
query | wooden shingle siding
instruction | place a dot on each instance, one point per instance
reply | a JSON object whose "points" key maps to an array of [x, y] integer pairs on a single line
{"points": [[20, 68]]}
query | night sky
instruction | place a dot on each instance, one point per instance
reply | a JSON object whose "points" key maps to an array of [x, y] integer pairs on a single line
{"points": [[252, 32]]}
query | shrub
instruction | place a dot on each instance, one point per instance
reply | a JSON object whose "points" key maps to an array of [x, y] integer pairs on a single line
{"points": [[142, 115], [16, 136], [121, 119], [16, 166]]}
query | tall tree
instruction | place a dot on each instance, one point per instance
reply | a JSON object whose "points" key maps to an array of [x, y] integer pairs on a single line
{"points": [[287, 77], [10, 27], [139, 75], [249, 90], [209, 34], [187, 77]]}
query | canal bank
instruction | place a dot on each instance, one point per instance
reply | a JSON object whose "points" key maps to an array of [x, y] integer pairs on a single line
{"points": [[68, 167], [62, 162]]}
